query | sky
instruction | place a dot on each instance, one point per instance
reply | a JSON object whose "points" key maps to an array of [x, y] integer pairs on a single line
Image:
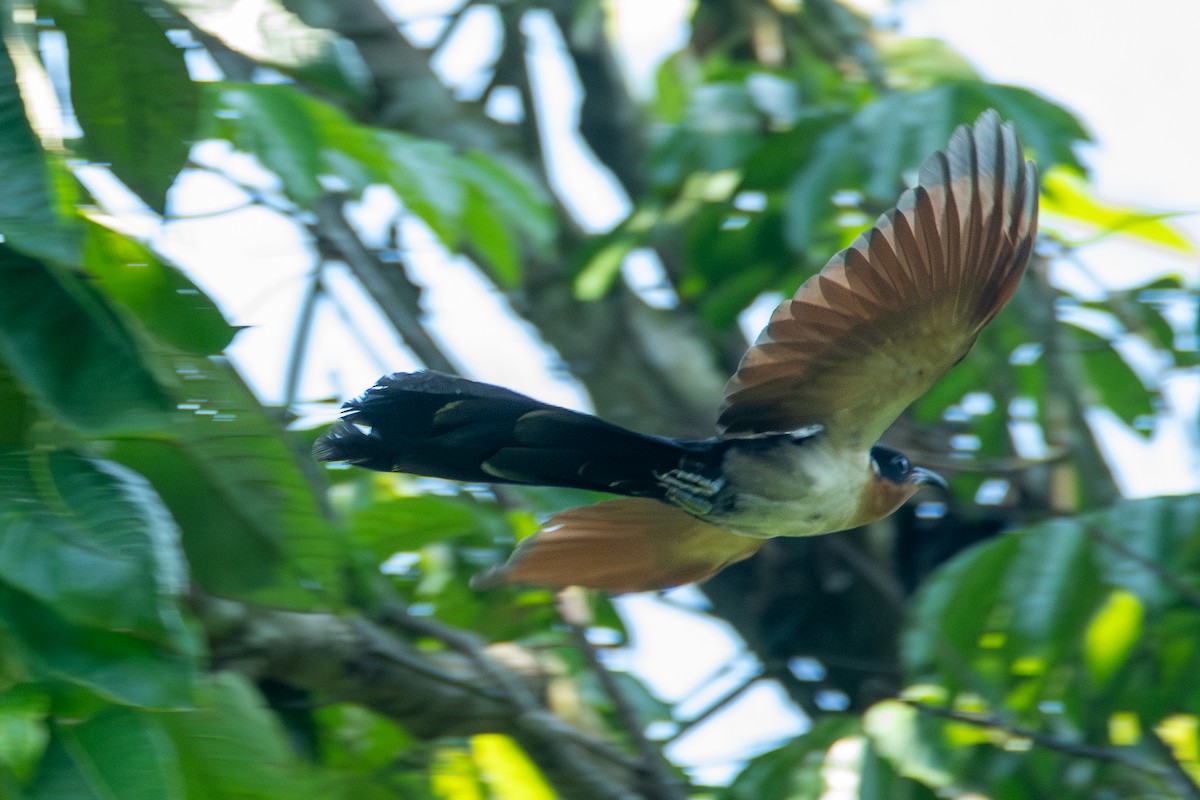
{"points": [[1130, 71]]}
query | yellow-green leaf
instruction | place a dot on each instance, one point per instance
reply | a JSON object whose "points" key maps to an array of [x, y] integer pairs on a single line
{"points": [[1066, 194], [1112, 634]]}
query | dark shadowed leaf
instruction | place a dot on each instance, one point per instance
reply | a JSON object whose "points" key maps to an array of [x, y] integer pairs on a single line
{"points": [[232, 746], [63, 341], [122, 751], [28, 216], [118, 666], [93, 541], [244, 496]]}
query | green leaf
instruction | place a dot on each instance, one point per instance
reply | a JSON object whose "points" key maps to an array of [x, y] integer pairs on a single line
{"points": [[1065, 194], [69, 349], [24, 733], [118, 666], [232, 746], [796, 770], [1051, 586], [514, 197], [911, 742], [126, 753], [1111, 636], [410, 523], [232, 478], [1111, 381], [832, 166], [59, 776], [17, 420], [271, 34], [273, 124], [506, 770], [600, 272], [28, 217], [426, 178], [158, 294], [953, 609], [919, 63], [492, 238], [91, 540], [131, 93]]}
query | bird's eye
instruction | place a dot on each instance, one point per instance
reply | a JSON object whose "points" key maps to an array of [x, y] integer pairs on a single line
{"points": [[901, 464]]}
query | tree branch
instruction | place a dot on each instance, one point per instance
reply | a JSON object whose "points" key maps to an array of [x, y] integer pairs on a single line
{"points": [[351, 659], [1114, 755]]}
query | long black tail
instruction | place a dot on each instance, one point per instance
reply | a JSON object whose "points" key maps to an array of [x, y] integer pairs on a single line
{"points": [[442, 426]]}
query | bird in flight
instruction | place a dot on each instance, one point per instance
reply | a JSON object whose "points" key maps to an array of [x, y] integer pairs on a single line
{"points": [[796, 451]]}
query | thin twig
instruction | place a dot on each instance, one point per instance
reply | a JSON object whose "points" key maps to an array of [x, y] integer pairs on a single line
{"points": [[1178, 776], [656, 783], [304, 320], [1109, 754], [398, 298], [1174, 581], [721, 702]]}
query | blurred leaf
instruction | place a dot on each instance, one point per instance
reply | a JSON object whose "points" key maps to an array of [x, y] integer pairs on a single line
{"points": [[118, 666], [953, 611], [64, 342], [232, 746], [460, 197], [28, 217], [912, 743], [24, 733], [1064, 626], [158, 294], [489, 234], [1113, 383], [833, 164], [125, 753], [139, 111], [880, 780], [455, 776], [244, 497], [272, 123], [424, 176], [410, 523], [17, 420], [720, 128], [1065, 193], [59, 776], [516, 201], [919, 63], [796, 771], [91, 540], [1051, 586], [1111, 636], [272, 34], [507, 771], [600, 272], [351, 735]]}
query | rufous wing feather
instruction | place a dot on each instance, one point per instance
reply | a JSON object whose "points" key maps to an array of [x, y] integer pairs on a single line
{"points": [[627, 545], [887, 317]]}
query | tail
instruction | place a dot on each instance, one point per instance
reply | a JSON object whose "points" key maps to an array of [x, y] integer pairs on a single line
{"points": [[429, 423]]}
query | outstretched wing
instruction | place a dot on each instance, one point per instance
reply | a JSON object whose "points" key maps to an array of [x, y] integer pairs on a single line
{"points": [[890, 315]]}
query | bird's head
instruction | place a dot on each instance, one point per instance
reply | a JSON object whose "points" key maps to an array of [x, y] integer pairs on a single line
{"points": [[893, 480]]}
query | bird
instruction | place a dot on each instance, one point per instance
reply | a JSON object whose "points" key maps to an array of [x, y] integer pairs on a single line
{"points": [[796, 450]]}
